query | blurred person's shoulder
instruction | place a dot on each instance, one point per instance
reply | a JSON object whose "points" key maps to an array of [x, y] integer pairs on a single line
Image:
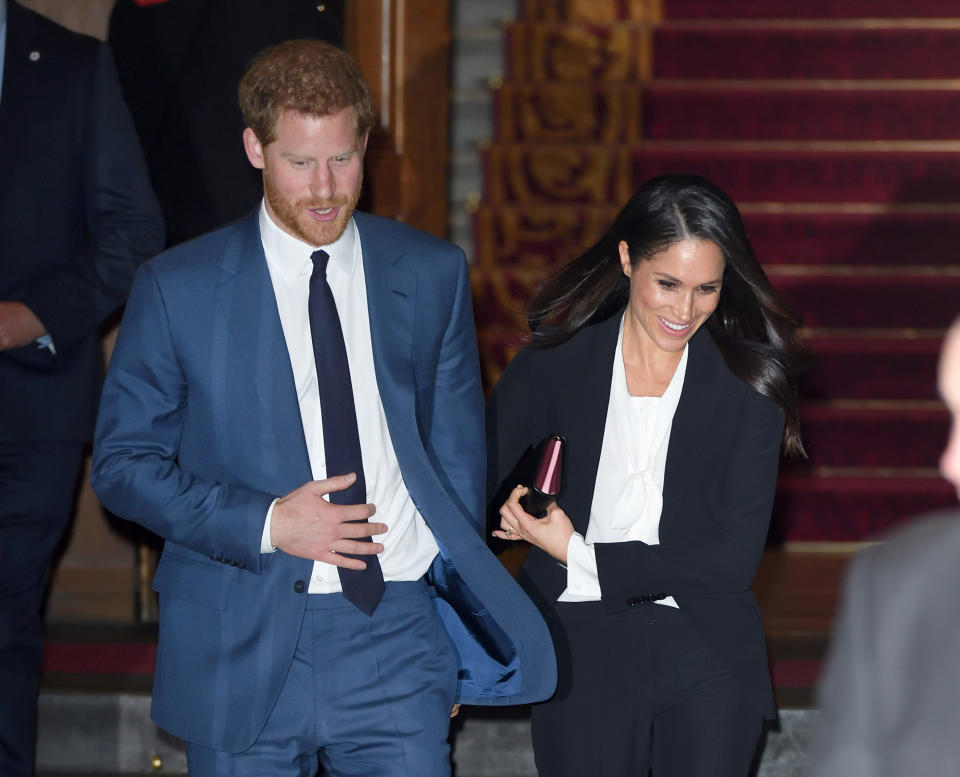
{"points": [[922, 554]]}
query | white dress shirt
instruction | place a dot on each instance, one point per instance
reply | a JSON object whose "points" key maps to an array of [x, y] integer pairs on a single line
{"points": [[628, 496], [408, 546]]}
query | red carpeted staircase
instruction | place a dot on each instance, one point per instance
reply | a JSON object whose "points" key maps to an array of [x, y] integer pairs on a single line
{"points": [[835, 125]]}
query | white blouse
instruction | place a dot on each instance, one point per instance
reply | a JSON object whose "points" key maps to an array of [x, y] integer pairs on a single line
{"points": [[628, 496]]}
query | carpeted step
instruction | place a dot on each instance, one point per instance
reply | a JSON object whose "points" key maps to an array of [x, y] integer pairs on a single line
{"points": [[918, 300], [628, 51], [809, 9], [679, 111], [578, 112], [897, 48], [558, 173], [880, 237], [856, 365], [854, 435], [644, 10], [852, 508], [546, 236]]}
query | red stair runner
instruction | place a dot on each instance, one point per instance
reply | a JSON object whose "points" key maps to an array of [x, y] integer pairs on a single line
{"points": [[722, 112], [829, 50], [851, 366], [811, 9], [887, 436], [551, 174]]}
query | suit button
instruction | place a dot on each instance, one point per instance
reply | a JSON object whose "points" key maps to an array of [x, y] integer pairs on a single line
{"points": [[633, 601], [299, 586]]}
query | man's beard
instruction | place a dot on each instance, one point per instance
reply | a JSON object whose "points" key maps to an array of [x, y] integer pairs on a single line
{"points": [[293, 216]]}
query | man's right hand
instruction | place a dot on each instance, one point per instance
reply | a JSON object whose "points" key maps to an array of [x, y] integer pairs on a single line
{"points": [[305, 524]]}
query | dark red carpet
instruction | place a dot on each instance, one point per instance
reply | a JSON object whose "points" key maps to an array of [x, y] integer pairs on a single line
{"points": [[843, 508], [907, 300], [130, 658], [889, 436], [808, 9], [574, 174], [896, 51], [705, 112], [850, 366]]}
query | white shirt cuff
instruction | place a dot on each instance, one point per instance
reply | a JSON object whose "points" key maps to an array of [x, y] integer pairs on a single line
{"points": [[265, 545], [583, 579]]}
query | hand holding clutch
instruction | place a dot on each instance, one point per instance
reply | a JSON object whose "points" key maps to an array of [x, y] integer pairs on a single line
{"points": [[548, 480]]}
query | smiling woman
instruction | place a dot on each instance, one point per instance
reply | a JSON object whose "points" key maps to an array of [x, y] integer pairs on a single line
{"points": [[751, 326], [665, 358]]}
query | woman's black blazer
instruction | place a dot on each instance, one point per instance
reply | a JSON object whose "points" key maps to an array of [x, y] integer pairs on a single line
{"points": [[719, 484]]}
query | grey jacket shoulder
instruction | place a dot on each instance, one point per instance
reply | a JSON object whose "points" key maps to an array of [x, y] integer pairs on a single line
{"points": [[918, 551]]}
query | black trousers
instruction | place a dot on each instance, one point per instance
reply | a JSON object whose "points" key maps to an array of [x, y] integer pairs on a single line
{"points": [[37, 489], [639, 692]]}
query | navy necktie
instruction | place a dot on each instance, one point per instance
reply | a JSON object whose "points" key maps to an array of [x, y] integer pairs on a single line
{"points": [[341, 440]]}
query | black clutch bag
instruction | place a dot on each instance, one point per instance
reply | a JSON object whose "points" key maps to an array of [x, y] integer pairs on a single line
{"points": [[548, 478]]}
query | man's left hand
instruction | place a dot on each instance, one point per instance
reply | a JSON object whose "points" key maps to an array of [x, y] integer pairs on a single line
{"points": [[455, 711], [18, 325]]}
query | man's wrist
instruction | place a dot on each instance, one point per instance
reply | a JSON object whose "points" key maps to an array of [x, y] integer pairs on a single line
{"points": [[266, 546]]}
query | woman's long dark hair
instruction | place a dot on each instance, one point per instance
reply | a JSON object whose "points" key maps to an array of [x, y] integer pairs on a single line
{"points": [[754, 329]]}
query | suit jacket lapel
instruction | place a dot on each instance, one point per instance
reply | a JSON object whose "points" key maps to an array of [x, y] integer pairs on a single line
{"points": [[689, 446], [585, 400], [247, 308], [391, 302]]}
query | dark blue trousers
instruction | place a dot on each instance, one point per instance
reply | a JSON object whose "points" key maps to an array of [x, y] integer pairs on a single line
{"points": [[37, 488], [370, 696]]}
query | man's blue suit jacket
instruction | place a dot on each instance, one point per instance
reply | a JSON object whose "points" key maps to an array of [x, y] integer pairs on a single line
{"points": [[199, 430]]}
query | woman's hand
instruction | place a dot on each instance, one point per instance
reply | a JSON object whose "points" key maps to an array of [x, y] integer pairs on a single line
{"points": [[551, 533]]}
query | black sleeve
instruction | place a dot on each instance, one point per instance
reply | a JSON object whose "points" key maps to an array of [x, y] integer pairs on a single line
{"points": [[724, 557], [509, 442], [123, 220]]}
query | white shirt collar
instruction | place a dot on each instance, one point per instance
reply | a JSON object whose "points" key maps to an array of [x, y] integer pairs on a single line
{"points": [[292, 256]]}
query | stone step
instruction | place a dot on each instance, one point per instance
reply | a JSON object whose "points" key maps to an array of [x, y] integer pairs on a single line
{"points": [[111, 734], [471, 120], [466, 176], [470, 14], [478, 56]]}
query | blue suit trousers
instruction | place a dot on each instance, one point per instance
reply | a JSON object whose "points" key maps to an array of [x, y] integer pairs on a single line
{"points": [[370, 696]]}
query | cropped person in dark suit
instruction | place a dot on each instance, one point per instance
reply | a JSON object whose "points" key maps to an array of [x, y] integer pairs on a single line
{"points": [[76, 217], [662, 355], [889, 692], [180, 62]]}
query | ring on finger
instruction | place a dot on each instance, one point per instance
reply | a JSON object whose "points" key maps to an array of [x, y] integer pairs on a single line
{"points": [[508, 533]]}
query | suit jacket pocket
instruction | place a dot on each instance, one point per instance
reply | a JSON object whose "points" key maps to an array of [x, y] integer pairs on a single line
{"points": [[194, 582]]}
